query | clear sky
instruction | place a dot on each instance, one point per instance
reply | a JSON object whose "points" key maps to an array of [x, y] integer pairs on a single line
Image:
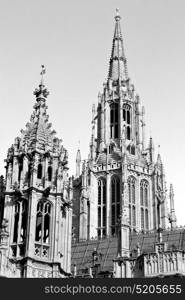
{"points": [[73, 40]]}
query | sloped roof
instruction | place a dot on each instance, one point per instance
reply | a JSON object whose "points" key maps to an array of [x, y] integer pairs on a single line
{"points": [[175, 239], [82, 251], [113, 157]]}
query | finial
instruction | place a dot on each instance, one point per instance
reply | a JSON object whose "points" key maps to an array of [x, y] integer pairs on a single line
{"points": [[159, 149], [143, 110], [172, 217], [43, 71], [99, 97], [41, 90], [93, 109], [78, 144], [117, 16], [171, 191]]}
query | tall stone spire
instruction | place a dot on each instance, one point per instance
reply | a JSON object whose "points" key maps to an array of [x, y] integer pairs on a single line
{"points": [[118, 62]]}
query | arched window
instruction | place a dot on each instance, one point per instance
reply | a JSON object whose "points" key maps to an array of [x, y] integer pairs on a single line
{"points": [[49, 173], [115, 203], [24, 220], [128, 132], [39, 171], [142, 219], [42, 230], [19, 227], [127, 120], [144, 199], [102, 200], [114, 130], [133, 150], [16, 222], [128, 116], [132, 200]]}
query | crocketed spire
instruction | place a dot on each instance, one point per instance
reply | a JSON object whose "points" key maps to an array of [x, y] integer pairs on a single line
{"points": [[38, 134], [118, 62]]}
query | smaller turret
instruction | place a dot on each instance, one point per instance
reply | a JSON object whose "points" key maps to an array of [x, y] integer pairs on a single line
{"points": [[143, 127], [78, 163], [151, 150], [172, 216]]}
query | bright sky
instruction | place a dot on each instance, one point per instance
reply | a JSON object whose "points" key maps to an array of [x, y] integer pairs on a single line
{"points": [[73, 40]]}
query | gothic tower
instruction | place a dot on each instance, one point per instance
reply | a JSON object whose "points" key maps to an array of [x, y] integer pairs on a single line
{"points": [[122, 187], [35, 238]]}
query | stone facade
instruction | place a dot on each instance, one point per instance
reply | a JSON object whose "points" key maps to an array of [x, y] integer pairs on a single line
{"points": [[121, 189], [1, 198], [121, 225], [121, 181], [37, 219]]}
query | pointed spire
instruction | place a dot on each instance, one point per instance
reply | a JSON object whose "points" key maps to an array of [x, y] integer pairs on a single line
{"points": [[151, 143], [172, 217], [143, 127], [93, 122], [159, 160], [38, 134], [84, 174], [171, 198], [78, 161], [118, 62], [151, 149]]}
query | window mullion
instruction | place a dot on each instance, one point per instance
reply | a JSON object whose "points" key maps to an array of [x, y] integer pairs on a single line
{"points": [[19, 223], [101, 208], [42, 226]]}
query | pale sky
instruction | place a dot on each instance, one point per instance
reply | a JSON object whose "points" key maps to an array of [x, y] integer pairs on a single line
{"points": [[73, 40]]}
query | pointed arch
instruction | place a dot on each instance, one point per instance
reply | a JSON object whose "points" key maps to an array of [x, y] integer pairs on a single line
{"points": [[132, 200], [49, 173], [43, 228], [39, 171], [144, 203], [127, 118], [16, 221], [128, 133], [133, 150], [19, 227], [115, 203], [114, 121], [24, 220], [102, 207]]}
